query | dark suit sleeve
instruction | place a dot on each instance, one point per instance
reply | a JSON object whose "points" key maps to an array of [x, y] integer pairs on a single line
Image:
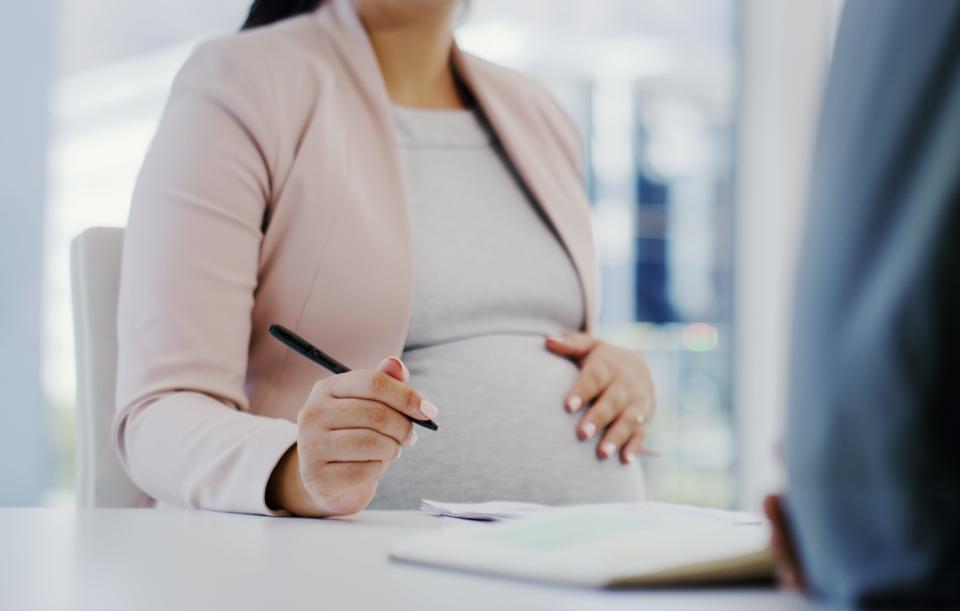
{"points": [[873, 451]]}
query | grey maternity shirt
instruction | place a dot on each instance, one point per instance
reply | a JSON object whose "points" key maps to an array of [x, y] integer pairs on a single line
{"points": [[491, 279]]}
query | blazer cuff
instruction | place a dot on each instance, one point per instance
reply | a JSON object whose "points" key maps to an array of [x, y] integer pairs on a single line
{"points": [[275, 441]]}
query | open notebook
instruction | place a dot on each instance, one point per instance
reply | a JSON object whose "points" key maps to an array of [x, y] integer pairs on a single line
{"points": [[606, 546]]}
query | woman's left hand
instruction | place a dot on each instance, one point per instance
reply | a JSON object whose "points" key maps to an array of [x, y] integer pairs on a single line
{"points": [[615, 384]]}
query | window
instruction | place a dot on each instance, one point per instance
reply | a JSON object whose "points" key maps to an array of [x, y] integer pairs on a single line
{"points": [[653, 87]]}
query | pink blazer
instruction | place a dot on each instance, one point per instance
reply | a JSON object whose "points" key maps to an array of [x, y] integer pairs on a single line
{"points": [[273, 192]]}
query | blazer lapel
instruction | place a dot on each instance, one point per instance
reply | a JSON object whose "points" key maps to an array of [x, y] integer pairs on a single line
{"points": [[528, 144], [378, 216]]}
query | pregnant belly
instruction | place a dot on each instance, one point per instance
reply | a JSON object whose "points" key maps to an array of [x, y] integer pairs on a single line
{"points": [[504, 434]]}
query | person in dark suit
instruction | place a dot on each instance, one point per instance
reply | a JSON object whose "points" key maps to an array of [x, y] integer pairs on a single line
{"points": [[872, 509]]}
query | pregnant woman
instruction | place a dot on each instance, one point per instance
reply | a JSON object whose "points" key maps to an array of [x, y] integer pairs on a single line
{"points": [[342, 169]]}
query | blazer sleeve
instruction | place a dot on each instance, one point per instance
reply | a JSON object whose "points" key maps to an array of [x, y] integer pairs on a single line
{"points": [[183, 430]]}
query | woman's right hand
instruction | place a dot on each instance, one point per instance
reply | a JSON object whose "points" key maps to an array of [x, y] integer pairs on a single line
{"points": [[351, 428]]}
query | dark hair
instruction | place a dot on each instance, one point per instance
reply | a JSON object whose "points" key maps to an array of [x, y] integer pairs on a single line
{"points": [[265, 12]]}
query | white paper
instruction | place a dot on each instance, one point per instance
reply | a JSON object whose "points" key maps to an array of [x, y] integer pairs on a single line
{"points": [[490, 510], [501, 511]]}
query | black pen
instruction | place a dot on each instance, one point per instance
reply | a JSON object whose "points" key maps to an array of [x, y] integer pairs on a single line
{"points": [[302, 346]]}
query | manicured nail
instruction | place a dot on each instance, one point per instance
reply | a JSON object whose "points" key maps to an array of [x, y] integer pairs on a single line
{"points": [[406, 372], [608, 449], [429, 410], [574, 403], [555, 338], [413, 439], [631, 458], [588, 430]]}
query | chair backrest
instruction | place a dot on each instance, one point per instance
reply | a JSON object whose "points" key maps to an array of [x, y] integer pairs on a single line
{"points": [[95, 274]]}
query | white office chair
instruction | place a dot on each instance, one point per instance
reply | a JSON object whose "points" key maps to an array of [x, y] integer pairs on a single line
{"points": [[95, 273]]}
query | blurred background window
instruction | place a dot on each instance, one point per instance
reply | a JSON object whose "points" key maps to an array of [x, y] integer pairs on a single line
{"points": [[653, 86]]}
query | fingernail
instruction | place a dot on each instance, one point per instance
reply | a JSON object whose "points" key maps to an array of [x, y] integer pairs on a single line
{"points": [[574, 403], [413, 439], [608, 449], [399, 452], [631, 458], [429, 410], [555, 338], [406, 372], [588, 430]]}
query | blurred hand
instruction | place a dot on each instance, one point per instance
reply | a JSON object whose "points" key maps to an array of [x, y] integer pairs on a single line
{"points": [[351, 428], [789, 572], [616, 388]]}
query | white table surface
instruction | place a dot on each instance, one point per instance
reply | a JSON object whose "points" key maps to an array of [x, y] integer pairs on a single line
{"points": [[142, 559]]}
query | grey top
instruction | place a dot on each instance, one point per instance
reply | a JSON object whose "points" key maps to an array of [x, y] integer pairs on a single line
{"points": [[491, 279]]}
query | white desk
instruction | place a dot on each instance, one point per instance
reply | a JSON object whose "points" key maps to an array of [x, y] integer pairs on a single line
{"points": [[142, 559]]}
